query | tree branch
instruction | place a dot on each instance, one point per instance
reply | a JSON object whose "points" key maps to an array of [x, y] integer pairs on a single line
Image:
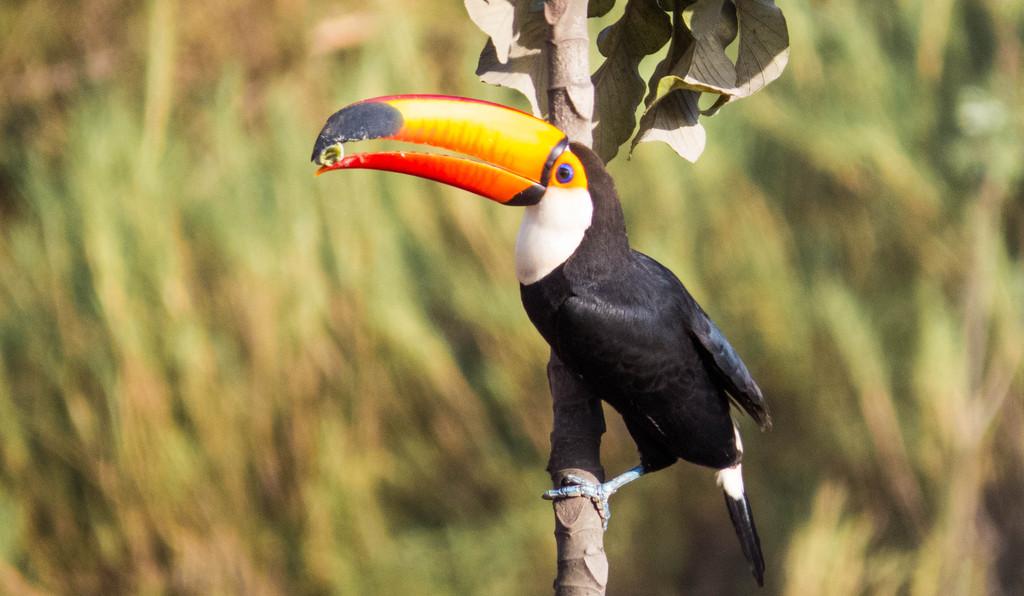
{"points": [[576, 449], [578, 419], [570, 92]]}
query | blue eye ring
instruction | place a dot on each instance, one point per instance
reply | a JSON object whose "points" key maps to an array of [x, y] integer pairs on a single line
{"points": [[564, 173]]}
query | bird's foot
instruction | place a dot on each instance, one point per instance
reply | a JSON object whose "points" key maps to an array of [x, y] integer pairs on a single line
{"points": [[599, 493], [574, 486]]}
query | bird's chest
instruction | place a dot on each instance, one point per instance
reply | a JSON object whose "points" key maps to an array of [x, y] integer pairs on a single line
{"points": [[601, 324], [542, 301]]}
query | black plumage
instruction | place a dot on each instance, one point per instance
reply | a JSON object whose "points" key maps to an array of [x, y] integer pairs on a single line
{"points": [[638, 340]]}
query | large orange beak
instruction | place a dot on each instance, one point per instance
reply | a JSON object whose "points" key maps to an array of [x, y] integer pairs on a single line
{"points": [[514, 151]]}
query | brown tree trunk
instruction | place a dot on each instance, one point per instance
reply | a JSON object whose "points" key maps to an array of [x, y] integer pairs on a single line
{"points": [[578, 418], [576, 449]]}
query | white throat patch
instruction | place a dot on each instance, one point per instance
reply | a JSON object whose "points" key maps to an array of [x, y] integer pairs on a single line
{"points": [[551, 231]]}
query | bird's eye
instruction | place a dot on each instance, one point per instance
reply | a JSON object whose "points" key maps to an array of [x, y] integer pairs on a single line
{"points": [[564, 173]]}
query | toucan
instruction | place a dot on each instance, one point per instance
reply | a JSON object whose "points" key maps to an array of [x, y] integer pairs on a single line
{"points": [[621, 322]]}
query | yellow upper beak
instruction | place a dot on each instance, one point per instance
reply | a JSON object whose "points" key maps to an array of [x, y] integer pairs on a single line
{"points": [[516, 150]]}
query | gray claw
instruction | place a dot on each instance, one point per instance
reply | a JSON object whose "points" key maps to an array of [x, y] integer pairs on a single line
{"points": [[578, 487], [574, 486]]}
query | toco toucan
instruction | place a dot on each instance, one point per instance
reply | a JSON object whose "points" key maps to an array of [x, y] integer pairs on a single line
{"points": [[619, 320]]}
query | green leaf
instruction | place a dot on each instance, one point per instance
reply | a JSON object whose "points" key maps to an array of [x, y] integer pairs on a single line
{"points": [[512, 57], [618, 88]]}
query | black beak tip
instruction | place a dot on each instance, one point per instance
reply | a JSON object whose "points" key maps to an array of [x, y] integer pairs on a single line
{"points": [[358, 122], [318, 149], [528, 196], [321, 149]]}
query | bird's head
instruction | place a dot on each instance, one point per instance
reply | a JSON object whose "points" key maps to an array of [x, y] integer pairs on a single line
{"points": [[508, 156]]}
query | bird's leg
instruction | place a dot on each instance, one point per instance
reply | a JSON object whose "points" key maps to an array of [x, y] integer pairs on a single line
{"points": [[598, 493]]}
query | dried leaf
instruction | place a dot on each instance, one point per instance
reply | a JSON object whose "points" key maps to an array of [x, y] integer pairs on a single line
{"points": [[673, 5], [599, 8], [513, 56], [697, 63], [668, 116], [495, 18], [682, 39], [618, 88], [764, 45], [722, 20], [705, 67], [673, 120]]}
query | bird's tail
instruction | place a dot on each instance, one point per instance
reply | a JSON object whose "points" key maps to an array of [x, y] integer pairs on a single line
{"points": [[731, 480]]}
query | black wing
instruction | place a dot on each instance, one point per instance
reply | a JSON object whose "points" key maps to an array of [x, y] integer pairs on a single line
{"points": [[627, 337], [723, 359]]}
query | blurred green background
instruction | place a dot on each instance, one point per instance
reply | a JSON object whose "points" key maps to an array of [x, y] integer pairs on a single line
{"points": [[221, 375]]}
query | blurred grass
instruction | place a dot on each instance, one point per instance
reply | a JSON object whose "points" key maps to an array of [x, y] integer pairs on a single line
{"points": [[222, 375]]}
